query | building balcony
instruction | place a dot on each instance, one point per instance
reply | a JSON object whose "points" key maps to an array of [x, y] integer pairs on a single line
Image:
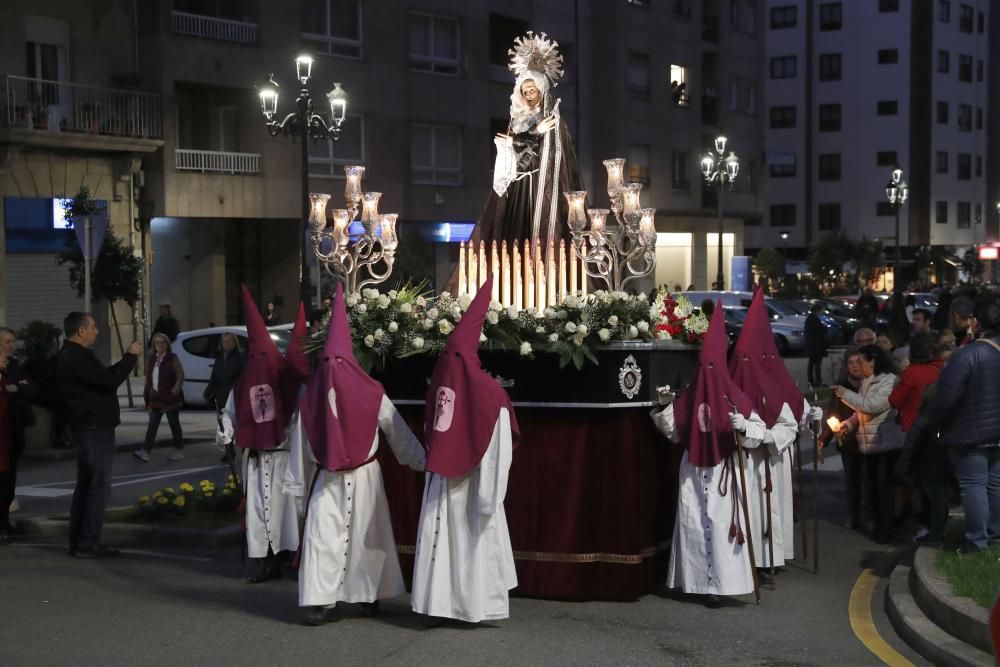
{"points": [[58, 114], [186, 159], [211, 27]]}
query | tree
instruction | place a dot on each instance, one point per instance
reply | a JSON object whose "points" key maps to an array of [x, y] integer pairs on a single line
{"points": [[770, 263], [826, 260], [868, 257], [972, 265]]}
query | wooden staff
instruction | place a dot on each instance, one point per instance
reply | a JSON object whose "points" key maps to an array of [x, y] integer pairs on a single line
{"points": [[816, 457], [799, 494], [746, 511]]}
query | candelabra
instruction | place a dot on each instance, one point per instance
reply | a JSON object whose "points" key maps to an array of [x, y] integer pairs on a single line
{"points": [[374, 250], [624, 251], [304, 123], [722, 171]]}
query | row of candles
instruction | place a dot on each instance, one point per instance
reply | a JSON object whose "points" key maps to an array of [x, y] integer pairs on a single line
{"points": [[529, 275]]}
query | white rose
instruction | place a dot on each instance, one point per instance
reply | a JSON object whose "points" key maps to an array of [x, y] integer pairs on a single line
{"points": [[582, 330], [456, 312], [421, 301], [483, 338], [406, 308], [433, 313], [570, 327], [362, 308], [525, 348], [548, 313], [539, 330], [445, 295], [553, 338], [492, 317], [417, 343], [352, 299], [379, 334], [369, 293], [561, 314], [496, 306], [632, 332], [393, 294], [370, 340], [604, 335], [578, 340], [613, 320], [512, 313], [641, 296], [643, 326], [571, 301], [393, 327], [445, 327], [427, 323], [464, 300], [383, 301]]}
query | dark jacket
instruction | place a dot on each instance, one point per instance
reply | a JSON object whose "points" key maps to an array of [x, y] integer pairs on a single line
{"points": [[225, 372], [815, 337], [169, 394], [168, 326], [966, 409], [89, 389], [921, 457], [18, 411]]}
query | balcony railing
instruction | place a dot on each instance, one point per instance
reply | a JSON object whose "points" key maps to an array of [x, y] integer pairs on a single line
{"points": [[210, 27], [39, 104], [218, 161]]}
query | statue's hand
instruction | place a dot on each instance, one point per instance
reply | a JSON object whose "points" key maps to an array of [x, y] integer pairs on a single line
{"points": [[503, 140], [546, 124]]}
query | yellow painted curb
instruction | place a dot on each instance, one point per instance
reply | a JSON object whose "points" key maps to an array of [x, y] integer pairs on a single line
{"points": [[860, 611]]}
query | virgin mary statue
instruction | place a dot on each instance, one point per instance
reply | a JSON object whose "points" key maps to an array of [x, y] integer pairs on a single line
{"points": [[536, 161]]}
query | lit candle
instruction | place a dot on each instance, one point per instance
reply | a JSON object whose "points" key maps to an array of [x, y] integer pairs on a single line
{"points": [[390, 240], [598, 217], [529, 277], [575, 218], [473, 264], [647, 226], [583, 270], [616, 168], [517, 286], [483, 274], [463, 286], [495, 270], [630, 198], [834, 424], [550, 268], [505, 274], [341, 219], [573, 287], [539, 277], [369, 214], [352, 187], [562, 270], [317, 216]]}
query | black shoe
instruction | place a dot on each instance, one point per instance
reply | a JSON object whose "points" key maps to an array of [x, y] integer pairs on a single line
{"points": [[928, 540], [966, 550], [713, 601], [322, 615], [371, 608], [96, 551], [268, 571], [433, 621]]}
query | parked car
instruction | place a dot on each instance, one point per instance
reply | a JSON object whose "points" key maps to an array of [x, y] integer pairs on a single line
{"points": [[788, 326], [833, 326], [924, 300], [197, 348]]}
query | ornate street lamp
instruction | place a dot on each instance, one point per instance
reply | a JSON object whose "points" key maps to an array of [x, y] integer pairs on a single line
{"points": [[304, 123], [897, 192], [722, 170]]}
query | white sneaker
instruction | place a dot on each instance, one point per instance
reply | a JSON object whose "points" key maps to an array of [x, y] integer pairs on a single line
{"points": [[175, 455], [141, 454], [14, 505]]}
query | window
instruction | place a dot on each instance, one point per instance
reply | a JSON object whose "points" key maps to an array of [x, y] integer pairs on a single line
{"points": [[678, 85], [327, 158], [734, 93], [888, 6], [229, 129], [829, 67], [503, 30], [782, 117], [888, 56], [784, 17], [782, 215], [887, 108], [781, 165], [964, 118], [638, 163], [829, 167], [963, 217], [829, 118], [638, 75], [884, 208], [680, 178], [965, 15], [964, 168], [436, 154], [783, 67], [944, 11], [434, 44], [941, 212], [941, 162], [332, 27], [831, 16], [965, 68], [979, 166], [943, 62], [942, 113], [886, 159], [829, 217]]}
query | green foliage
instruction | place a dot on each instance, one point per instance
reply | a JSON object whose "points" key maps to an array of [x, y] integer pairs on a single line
{"points": [[82, 204], [972, 265], [414, 260], [826, 260], [115, 276], [35, 338], [770, 262], [868, 257], [974, 576]]}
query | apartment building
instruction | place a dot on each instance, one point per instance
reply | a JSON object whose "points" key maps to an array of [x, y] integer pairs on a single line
{"points": [[854, 89]]}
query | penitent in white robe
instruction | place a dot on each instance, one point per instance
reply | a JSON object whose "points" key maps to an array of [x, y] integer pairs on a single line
{"points": [[271, 516], [348, 549], [464, 565], [703, 558]]}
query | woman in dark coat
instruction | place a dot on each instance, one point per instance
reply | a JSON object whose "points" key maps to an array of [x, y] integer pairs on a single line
{"points": [[164, 396], [226, 370], [815, 345]]}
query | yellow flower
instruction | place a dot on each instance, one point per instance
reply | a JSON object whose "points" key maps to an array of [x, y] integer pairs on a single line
{"points": [[227, 492], [143, 499], [204, 482], [157, 494], [186, 487], [169, 489], [209, 494], [162, 501], [231, 478], [179, 501]]}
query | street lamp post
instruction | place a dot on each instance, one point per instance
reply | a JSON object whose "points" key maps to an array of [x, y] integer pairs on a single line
{"points": [[897, 192], [722, 170], [304, 124]]}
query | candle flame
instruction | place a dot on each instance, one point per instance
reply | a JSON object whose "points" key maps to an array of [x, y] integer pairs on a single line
{"points": [[834, 424]]}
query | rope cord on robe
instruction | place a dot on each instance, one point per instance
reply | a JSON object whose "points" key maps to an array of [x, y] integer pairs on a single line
{"points": [[727, 479], [305, 515]]}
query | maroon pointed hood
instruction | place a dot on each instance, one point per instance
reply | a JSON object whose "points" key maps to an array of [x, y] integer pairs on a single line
{"points": [[266, 392], [341, 402], [296, 353], [750, 366], [702, 411], [464, 401]]}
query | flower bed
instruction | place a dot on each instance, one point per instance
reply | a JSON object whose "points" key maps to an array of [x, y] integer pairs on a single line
{"points": [[186, 501]]}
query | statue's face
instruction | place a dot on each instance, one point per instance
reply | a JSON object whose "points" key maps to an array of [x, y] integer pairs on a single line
{"points": [[529, 91]]}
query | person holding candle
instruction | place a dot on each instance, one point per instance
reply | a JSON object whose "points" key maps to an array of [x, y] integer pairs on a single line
{"points": [[847, 443]]}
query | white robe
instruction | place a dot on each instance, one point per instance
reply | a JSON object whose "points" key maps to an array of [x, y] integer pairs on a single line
{"points": [[271, 516], [348, 549], [703, 558], [464, 564]]}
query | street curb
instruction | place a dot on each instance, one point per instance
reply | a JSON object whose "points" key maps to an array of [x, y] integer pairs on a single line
{"points": [[142, 534], [58, 455], [921, 633], [957, 615]]}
